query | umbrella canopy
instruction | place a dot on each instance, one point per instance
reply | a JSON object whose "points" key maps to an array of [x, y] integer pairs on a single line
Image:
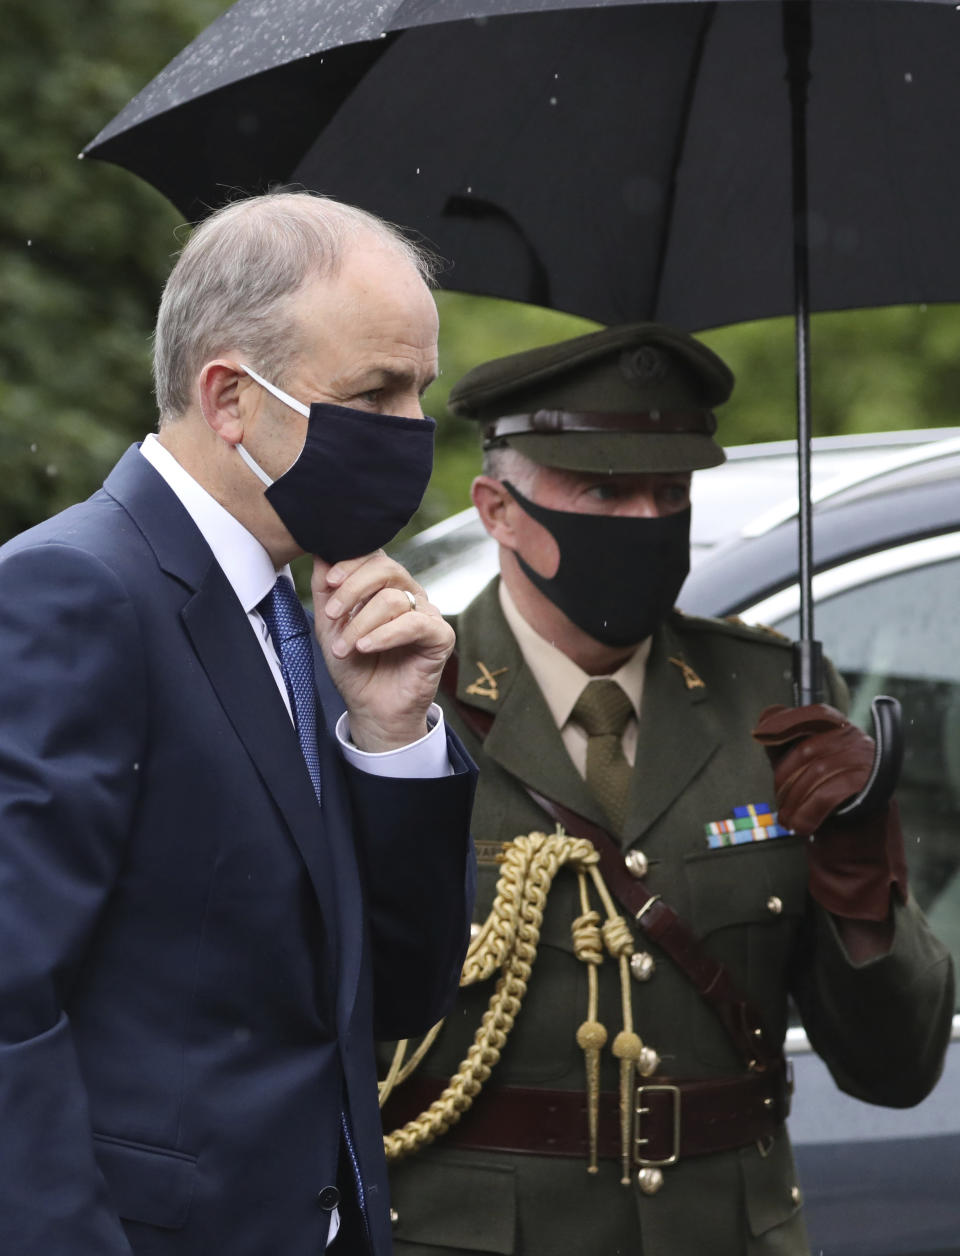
{"points": [[623, 161], [620, 161]]}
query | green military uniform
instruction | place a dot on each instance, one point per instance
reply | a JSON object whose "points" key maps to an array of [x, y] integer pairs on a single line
{"points": [[695, 761], [881, 1027]]}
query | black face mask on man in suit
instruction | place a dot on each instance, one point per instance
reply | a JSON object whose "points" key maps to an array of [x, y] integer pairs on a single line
{"points": [[358, 480]]}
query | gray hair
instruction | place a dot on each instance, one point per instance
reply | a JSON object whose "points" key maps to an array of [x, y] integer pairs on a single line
{"points": [[232, 284], [503, 463]]}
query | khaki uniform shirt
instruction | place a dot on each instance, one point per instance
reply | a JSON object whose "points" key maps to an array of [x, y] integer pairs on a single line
{"points": [[561, 682]]}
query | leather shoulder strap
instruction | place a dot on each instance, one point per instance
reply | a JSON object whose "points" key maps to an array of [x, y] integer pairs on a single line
{"points": [[649, 912]]}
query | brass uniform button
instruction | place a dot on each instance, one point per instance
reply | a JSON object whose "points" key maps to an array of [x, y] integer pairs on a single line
{"points": [[650, 1181], [637, 863], [647, 1062], [796, 1195], [774, 905], [642, 965]]}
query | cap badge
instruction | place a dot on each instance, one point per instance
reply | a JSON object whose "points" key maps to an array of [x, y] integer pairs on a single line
{"points": [[645, 365], [485, 686]]}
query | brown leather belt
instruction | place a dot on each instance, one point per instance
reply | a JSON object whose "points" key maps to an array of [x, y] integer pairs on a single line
{"points": [[672, 1119]]}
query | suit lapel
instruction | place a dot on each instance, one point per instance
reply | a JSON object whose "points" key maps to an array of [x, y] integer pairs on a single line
{"points": [[232, 660], [685, 744], [237, 670], [339, 835]]}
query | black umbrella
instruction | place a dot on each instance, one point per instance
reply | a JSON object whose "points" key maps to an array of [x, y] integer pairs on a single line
{"points": [[619, 160]]}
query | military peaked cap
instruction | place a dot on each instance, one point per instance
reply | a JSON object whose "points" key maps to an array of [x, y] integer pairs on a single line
{"points": [[638, 397]]}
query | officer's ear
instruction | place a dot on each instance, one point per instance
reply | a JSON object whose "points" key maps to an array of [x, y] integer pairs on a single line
{"points": [[496, 507]]}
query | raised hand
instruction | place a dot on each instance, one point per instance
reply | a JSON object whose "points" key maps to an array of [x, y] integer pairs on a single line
{"points": [[385, 645]]}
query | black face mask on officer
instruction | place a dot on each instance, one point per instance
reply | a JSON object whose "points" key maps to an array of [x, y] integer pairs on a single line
{"points": [[357, 481], [619, 575]]}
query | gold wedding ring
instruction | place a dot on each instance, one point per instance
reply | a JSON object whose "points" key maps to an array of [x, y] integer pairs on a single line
{"points": [[412, 599]]}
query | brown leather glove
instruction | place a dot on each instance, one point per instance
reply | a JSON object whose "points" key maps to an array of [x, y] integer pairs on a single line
{"points": [[820, 760]]}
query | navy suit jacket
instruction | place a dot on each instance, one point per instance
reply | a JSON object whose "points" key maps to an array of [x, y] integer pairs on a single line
{"points": [[194, 957]]}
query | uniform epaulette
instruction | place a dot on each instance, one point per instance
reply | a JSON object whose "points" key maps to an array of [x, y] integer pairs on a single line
{"points": [[765, 628], [731, 626]]}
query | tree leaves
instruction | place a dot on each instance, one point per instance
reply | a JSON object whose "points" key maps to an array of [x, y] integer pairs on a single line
{"points": [[84, 248]]}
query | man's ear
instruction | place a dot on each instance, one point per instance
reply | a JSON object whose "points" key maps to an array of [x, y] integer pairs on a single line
{"points": [[222, 386], [495, 506]]}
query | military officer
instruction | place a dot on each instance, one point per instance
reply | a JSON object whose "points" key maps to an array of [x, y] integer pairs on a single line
{"points": [[636, 1094]]}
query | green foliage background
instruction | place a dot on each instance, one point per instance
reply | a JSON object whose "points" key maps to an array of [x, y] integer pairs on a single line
{"points": [[84, 250]]}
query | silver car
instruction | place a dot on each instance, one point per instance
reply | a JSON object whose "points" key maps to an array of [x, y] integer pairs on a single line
{"points": [[877, 1181]]}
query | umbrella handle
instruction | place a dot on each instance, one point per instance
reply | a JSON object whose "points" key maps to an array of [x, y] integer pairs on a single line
{"points": [[887, 760]]}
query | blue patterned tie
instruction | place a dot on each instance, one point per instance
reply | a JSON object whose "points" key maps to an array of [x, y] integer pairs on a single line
{"points": [[293, 641]]}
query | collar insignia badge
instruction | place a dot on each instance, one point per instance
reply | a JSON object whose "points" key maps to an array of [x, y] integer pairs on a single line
{"points": [[485, 686], [690, 677]]}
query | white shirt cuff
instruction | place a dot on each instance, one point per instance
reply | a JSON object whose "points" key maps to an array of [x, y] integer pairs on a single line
{"points": [[422, 759]]}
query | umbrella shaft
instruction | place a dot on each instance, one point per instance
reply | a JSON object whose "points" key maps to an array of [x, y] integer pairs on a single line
{"points": [[808, 678]]}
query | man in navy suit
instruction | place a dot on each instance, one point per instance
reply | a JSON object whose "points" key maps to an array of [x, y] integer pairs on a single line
{"points": [[221, 875]]}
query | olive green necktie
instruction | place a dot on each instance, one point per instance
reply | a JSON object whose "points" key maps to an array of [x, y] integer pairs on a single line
{"points": [[602, 711]]}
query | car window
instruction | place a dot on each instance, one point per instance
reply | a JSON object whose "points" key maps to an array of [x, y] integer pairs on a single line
{"points": [[901, 635]]}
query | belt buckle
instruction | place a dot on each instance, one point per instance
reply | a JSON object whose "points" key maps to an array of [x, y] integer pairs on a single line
{"points": [[639, 1111]]}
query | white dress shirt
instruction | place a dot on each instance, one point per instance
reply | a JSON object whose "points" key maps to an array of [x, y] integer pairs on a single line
{"points": [[251, 574], [562, 682]]}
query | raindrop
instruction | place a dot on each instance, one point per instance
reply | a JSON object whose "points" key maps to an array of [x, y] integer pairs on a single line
{"points": [[33, 447], [923, 304], [51, 470], [29, 243], [556, 76], [553, 100], [469, 190], [908, 77], [136, 767], [79, 156], [418, 169]]}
